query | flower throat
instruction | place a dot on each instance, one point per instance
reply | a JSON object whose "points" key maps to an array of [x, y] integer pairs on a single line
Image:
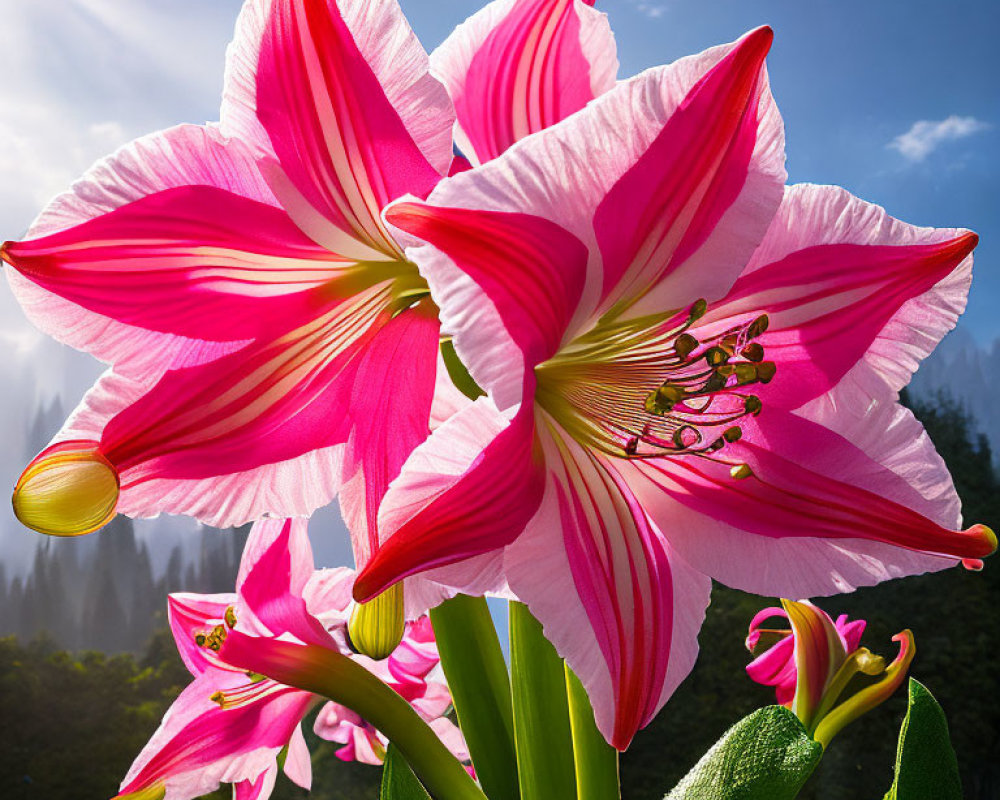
{"points": [[647, 387]]}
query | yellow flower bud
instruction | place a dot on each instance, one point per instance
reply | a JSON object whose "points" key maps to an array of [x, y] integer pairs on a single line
{"points": [[376, 627], [69, 489]]}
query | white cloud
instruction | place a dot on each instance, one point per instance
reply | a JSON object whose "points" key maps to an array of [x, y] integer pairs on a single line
{"points": [[925, 135], [652, 10]]}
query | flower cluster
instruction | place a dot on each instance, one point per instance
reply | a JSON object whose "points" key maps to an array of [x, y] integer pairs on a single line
{"points": [[674, 367]]}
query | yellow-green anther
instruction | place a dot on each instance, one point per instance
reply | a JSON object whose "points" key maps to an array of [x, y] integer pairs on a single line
{"points": [[716, 356], [685, 344], [753, 352], [741, 472], [765, 371], [758, 326], [664, 399], [698, 310], [733, 434], [376, 627], [230, 617], [746, 373], [753, 405]]}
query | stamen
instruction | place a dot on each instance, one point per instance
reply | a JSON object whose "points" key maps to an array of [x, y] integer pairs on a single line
{"points": [[647, 387], [244, 695]]}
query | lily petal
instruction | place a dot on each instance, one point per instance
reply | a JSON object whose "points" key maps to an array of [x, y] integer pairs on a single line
{"points": [[841, 282], [469, 489], [183, 156], [342, 144], [193, 261], [611, 594], [518, 66], [817, 513], [510, 284]]}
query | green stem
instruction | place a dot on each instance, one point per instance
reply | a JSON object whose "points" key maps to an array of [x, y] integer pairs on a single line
{"points": [[473, 663], [596, 760], [542, 732], [326, 672]]}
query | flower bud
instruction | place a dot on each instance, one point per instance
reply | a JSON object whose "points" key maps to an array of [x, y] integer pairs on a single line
{"points": [[377, 626], [69, 489]]}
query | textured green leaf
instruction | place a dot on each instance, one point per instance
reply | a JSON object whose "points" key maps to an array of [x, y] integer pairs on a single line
{"points": [[765, 756], [926, 767], [398, 780]]}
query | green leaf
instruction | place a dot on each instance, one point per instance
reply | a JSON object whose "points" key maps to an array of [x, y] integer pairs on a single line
{"points": [[765, 756], [398, 780], [926, 767]]}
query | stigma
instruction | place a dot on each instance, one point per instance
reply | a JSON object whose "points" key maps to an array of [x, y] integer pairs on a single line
{"points": [[69, 489]]}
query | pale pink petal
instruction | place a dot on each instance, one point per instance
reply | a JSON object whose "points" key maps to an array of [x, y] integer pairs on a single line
{"points": [[383, 39], [684, 219], [842, 282], [469, 489], [272, 589], [451, 737], [259, 789], [328, 595], [191, 614], [193, 261], [612, 596], [199, 745], [518, 66], [184, 156], [298, 762], [507, 285], [818, 515], [565, 172], [343, 148]]}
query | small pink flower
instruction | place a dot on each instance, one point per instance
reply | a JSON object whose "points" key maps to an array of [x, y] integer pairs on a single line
{"points": [[228, 725], [811, 664]]}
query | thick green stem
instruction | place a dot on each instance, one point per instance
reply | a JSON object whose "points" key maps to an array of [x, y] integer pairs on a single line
{"points": [[473, 663], [326, 672], [596, 760], [542, 731]]}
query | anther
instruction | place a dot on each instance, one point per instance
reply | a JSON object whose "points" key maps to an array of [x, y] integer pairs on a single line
{"points": [[733, 434], [698, 310], [757, 327], [766, 371], [716, 356], [741, 472], [753, 405], [753, 352], [230, 617], [685, 344]]}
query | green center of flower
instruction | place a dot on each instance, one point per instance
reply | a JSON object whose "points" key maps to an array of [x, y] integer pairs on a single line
{"points": [[647, 387]]}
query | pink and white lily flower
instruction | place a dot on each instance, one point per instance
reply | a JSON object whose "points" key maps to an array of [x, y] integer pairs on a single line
{"points": [[270, 341], [691, 372], [229, 726], [811, 663]]}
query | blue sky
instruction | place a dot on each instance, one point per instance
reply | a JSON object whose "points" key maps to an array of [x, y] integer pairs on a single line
{"points": [[897, 100]]}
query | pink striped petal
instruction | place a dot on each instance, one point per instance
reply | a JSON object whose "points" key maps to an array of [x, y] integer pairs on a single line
{"points": [[843, 282], [507, 285], [379, 37], [518, 66], [389, 413], [199, 745], [611, 594], [710, 181], [298, 761], [258, 431], [259, 789], [190, 614], [469, 489], [817, 516], [344, 149], [184, 156], [193, 261]]}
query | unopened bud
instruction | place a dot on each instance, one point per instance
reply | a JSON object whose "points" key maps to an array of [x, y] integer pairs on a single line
{"points": [[376, 627], [69, 489]]}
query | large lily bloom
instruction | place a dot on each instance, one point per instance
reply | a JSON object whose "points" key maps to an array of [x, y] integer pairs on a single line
{"points": [[229, 726], [811, 664], [270, 342], [691, 372]]}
